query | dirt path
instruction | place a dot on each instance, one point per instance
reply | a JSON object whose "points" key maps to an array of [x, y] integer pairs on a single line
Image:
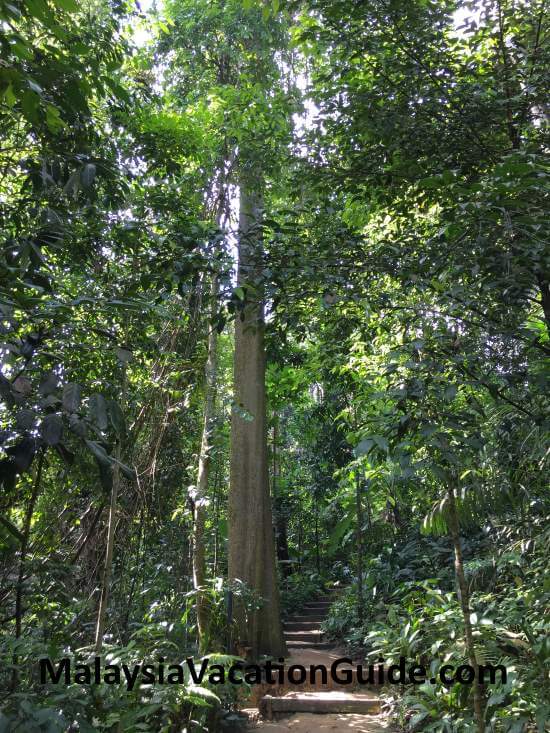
{"points": [[315, 706], [313, 722]]}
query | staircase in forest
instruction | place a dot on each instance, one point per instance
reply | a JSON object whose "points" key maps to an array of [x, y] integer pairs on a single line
{"points": [[306, 646], [304, 630]]}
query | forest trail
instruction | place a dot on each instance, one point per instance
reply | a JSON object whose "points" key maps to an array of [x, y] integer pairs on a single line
{"points": [[308, 708], [274, 320]]}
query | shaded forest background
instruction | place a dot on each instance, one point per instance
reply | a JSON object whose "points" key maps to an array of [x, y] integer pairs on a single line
{"points": [[391, 162]]}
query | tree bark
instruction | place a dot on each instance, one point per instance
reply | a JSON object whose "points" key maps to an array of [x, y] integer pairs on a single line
{"points": [[544, 288], [216, 524], [107, 568], [251, 543], [360, 520], [454, 529], [201, 497], [281, 538], [111, 528]]}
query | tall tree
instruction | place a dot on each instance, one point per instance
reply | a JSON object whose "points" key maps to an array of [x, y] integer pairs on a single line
{"points": [[201, 495], [238, 71], [251, 543]]}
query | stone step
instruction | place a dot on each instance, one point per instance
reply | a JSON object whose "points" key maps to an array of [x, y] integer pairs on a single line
{"points": [[318, 702], [312, 617], [320, 599], [318, 604], [348, 680], [314, 613], [312, 636], [319, 607], [301, 625], [309, 645]]}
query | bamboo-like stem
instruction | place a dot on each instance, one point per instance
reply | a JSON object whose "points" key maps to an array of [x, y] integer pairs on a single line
{"points": [[108, 566], [22, 563], [454, 530]]}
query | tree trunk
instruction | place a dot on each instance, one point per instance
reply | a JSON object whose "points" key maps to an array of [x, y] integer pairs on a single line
{"points": [[216, 524], [545, 299], [22, 563], [282, 543], [200, 504], [317, 540], [466, 610], [359, 510], [108, 566], [299, 563], [281, 538], [251, 543], [369, 507]]}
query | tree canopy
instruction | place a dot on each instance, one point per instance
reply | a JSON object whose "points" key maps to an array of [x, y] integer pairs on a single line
{"points": [[275, 318]]}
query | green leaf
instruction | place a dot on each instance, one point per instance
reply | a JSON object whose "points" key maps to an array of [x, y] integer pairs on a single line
{"points": [[440, 473], [450, 392], [48, 385], [53, 119], [203, 693], [73, 183], [78, 426], [97, 411], [25, 419], [38, 9], [416, 719], [22, 50], [105, 474], [542, 715], [432, 182], [9, 96], [117, 417], [338, 532], [17, 14], [71, 6], [22, 385], [71, 397], [363, 447], [51, 429], [12, 529], [106, 461], [124, 355], [88, 175], [30, 106], [34, 87], [99, 452], [381, 442]]}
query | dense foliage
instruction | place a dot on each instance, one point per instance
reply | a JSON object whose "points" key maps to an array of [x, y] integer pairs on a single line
{"points": [[399, 150]]}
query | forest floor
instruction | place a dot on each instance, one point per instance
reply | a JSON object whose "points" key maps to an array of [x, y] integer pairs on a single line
{"points": [[313, 722]]}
